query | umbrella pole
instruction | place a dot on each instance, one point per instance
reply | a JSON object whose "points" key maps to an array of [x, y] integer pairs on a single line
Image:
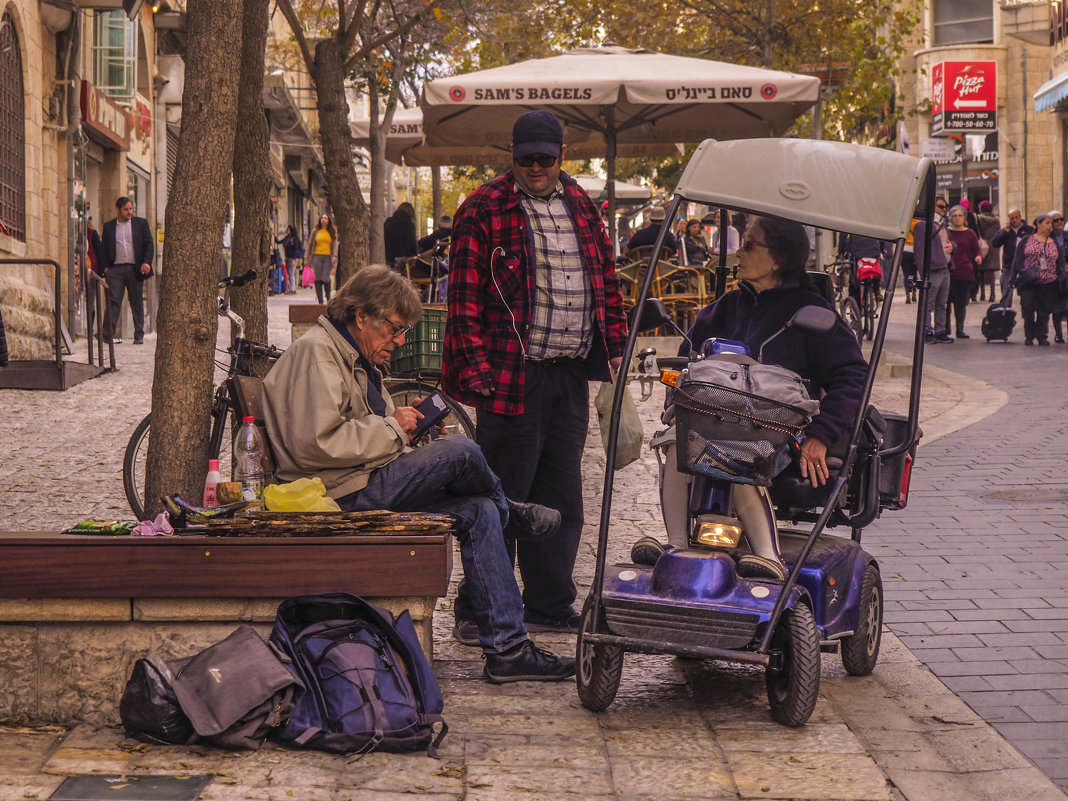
{"points": [[610, 169]]}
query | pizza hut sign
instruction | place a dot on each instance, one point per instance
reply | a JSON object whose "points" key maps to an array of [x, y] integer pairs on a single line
{"points": [[964, 97]]}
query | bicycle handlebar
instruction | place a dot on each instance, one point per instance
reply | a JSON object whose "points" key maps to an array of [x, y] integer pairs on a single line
{"points": [[238, 280]]}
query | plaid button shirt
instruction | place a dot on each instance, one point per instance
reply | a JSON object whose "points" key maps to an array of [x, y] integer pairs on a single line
{"points": [[492, 291]]}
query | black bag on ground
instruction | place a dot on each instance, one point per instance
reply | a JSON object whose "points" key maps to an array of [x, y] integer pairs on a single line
{"points": [[149, 709], [1000, 319], [230, 694], [368, 684]]}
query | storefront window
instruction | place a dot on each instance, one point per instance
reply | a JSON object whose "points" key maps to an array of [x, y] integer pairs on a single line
{"points": [[962, 22], [115, 55]]}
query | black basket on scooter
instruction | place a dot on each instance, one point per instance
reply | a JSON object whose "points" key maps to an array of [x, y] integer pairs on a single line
{"points": [[728, 434]]}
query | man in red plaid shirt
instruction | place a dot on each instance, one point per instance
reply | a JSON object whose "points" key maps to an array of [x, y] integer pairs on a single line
{"points": [[535, 313]]}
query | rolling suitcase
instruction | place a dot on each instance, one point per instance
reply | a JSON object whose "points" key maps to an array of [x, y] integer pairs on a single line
{"points": [[1000, 319]]}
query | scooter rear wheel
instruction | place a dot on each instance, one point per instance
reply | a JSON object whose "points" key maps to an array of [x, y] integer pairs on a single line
{"points": [[860, 651], [793, 690], [598, 667]]}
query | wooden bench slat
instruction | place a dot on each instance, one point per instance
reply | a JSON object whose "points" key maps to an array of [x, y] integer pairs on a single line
{"points": [[47, 565]]}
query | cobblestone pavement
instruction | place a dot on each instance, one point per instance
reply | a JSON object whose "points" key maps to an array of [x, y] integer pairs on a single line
{"points": [[677, 730], [976, 571]]}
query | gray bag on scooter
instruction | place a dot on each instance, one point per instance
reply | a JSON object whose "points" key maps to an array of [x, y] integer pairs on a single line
{"points": [[739, 420]]}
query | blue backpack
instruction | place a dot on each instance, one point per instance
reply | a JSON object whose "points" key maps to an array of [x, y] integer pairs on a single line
{"points": [[368, 684]]}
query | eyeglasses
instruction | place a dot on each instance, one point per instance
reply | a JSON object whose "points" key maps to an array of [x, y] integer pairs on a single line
{"points": [[1058, 219], [748, 244], [398, 330], [545, 162], [941, 206]]}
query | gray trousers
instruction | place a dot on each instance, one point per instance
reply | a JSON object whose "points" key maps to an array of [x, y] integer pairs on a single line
{"points": [[937, 298]]}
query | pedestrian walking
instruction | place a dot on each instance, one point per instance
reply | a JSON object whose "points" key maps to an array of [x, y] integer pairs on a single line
{"points": [[321, 251], [534, 314], [1006, 239], [938, 275], [127, 263], [966, 257], [1038, 252]]}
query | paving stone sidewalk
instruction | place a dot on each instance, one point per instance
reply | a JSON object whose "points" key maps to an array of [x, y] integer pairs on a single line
{"points": [[678, 730]]}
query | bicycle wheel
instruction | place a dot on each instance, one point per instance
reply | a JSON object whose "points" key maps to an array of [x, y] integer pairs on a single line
{"points": [[457, 421], [133, 467], [850, 311], [135, 462], [869, 312]]}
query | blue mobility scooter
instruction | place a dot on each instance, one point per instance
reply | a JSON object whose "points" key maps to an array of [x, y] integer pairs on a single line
{"points": [[711, 599]]}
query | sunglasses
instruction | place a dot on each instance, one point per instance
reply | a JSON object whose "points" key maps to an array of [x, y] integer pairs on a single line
{"points": [[398, 330], [941, 206], [748, 244], [545, 162], [1058, 219]]}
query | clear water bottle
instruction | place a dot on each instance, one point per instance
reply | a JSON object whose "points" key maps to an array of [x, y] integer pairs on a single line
{"points": [[250, 460]]}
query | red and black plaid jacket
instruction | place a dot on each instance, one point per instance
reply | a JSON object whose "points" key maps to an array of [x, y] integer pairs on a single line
{"points": [[489, 311]]}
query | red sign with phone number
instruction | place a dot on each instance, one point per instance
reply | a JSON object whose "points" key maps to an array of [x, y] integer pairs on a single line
{"points": [[964, 96]]}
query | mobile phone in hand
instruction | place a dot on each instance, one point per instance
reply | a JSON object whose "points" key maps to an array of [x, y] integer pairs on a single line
{"points": [[433, 409]]}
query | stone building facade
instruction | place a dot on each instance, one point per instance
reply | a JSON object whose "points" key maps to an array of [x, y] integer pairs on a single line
{"points": [[1009, 165]]}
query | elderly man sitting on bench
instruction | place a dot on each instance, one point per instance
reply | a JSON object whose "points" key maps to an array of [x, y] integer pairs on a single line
{"points": [[328, 416]]}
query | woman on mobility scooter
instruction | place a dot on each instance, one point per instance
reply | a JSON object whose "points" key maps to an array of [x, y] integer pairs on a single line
{"points": [[744, 405], [773, 285]]}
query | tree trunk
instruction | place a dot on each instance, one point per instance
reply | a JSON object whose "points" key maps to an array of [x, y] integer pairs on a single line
{"points": [[196, 212], [346, 200], [379, 132], [252, 176]]}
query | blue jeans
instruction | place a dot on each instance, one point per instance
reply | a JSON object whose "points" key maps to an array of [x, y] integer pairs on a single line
{"points": [[450, 475]]}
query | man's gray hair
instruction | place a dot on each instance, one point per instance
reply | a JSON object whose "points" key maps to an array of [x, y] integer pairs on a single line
{"points": [[378, 292]]}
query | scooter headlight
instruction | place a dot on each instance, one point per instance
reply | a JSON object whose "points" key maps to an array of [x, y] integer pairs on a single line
{"points": [[716, 531]]}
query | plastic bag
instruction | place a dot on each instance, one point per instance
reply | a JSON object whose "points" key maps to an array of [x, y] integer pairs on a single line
{"points": [[302, 495], [629, 447], [149, 708]]}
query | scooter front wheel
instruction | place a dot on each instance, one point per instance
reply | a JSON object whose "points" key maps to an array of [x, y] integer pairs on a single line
{"points": [[599, 667], [793, 689]]}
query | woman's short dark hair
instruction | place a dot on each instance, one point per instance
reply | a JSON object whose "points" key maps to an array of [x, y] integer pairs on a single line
{"points": [[378, 292], [788, 245]]}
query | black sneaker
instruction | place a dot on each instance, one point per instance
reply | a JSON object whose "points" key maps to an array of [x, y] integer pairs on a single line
{"points": [[944, 339], [465, 632], [567, 625], [646, 551], [531, 521], [761, 568], [527, 662], [962, 335]]}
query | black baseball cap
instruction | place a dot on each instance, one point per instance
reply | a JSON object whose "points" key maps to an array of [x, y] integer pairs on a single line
{"points": [[537, 132]]}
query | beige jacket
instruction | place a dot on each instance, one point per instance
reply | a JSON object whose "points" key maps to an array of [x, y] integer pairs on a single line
{"points": [[318, 417]]}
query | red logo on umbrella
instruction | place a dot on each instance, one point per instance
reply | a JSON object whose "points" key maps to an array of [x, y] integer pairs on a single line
{"points": [[457, 93], [768, 91]]}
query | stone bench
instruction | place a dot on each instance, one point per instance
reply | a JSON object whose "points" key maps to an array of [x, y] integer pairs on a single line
{"points": [[77, 611]]}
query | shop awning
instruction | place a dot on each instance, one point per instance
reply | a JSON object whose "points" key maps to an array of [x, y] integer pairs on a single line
{"points": [[1052, 92]]}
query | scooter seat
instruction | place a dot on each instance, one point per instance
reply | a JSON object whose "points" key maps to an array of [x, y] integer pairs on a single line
{"points": [[790, 491]]}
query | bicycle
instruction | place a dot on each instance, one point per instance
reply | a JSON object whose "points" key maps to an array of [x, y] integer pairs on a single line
{"points": [[842, 269], [869, 275], [243, 355]]}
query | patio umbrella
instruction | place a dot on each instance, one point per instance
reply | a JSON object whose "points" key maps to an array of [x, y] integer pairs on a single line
{"points": [[625, 193], [612, 96], [406, 144]]}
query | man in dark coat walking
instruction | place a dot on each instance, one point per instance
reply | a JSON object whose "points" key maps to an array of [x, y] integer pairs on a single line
{"points": [[127, 262]]}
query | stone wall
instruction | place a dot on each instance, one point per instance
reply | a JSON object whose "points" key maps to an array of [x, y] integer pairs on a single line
{"points": [[68, 660]]}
